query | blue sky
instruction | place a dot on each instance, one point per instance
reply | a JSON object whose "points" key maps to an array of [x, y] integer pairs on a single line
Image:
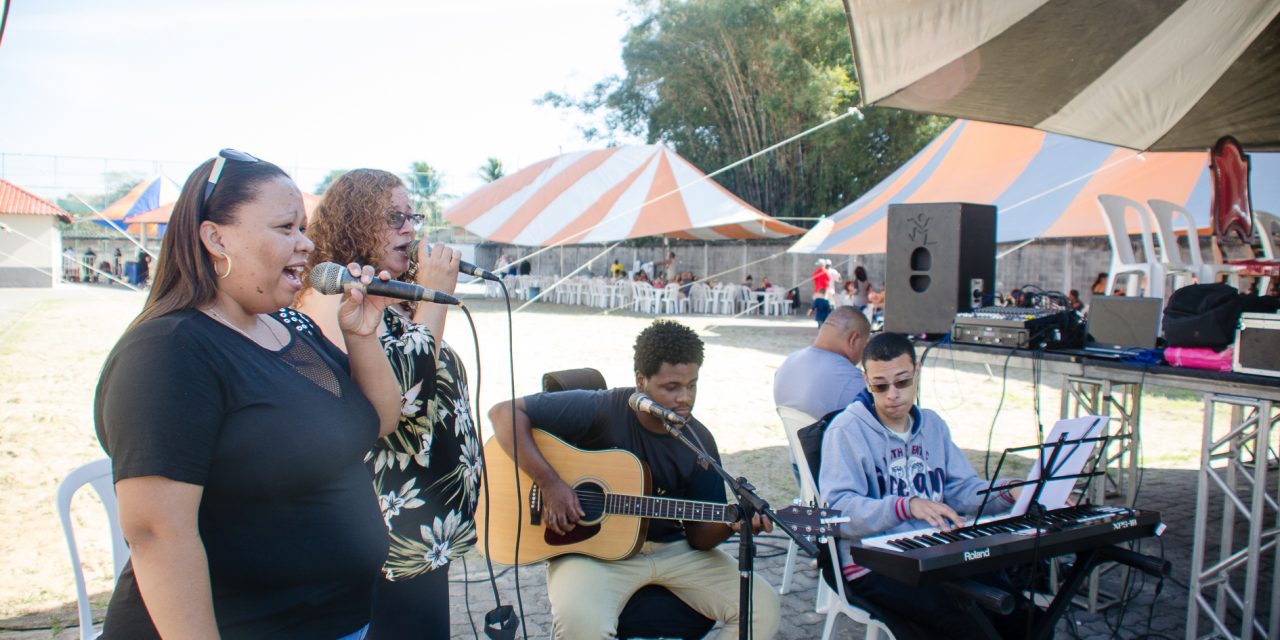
{"points": [[312, 85]]}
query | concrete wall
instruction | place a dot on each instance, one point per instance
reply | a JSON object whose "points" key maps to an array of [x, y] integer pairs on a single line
{"points": [[1057, 264], [30, 248]]}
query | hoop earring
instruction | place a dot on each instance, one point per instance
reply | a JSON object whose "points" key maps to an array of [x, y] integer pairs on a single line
{"points": [[223, 276]]}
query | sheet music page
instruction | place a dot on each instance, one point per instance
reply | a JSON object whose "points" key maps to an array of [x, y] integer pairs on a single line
{"points": [[1070, 461]]}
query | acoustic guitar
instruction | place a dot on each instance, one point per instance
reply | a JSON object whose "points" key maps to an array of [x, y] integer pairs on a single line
{"points": [[612, 487]]}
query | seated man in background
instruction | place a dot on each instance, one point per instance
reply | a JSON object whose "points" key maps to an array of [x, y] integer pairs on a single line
{"points": [[891, 466], [824, 376], [588, 594]]}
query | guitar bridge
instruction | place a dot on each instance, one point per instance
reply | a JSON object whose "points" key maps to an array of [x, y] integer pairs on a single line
{"points": [[535, 505]]}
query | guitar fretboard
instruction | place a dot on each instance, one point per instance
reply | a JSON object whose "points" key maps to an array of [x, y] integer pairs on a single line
{"points": [[668, 508]]}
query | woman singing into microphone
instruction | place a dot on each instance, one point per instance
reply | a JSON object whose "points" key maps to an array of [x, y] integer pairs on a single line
{"points": [[426, 473], [236, 431]]}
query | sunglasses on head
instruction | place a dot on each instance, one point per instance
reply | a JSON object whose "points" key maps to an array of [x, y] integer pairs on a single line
{"points": [[881, 387], [220, 162], [396, 219]]}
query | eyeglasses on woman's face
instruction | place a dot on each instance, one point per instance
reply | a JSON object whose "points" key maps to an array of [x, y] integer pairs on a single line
{"points": [[218, 163], [397, 219]]}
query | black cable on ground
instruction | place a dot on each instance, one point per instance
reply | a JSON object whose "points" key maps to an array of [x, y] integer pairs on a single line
{"points": [[484, 475]]}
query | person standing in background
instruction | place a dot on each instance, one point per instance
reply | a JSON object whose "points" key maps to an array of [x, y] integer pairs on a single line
{"points": [[821, 305]]}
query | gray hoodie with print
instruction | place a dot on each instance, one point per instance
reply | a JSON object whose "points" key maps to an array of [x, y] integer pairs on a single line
{"points": [[870, 475]]}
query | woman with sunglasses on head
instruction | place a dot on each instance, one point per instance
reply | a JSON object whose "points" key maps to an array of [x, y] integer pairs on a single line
{"points": [[426, 473], [236, 430]]}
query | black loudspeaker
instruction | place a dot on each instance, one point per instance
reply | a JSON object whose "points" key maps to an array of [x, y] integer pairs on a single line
{"points": [[941, 260]]}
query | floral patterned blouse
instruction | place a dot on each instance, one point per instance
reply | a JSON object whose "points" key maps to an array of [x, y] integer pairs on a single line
{"points": [[427, 471]]}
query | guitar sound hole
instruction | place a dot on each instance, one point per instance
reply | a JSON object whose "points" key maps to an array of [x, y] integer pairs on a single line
{"points": [[591, 497]]}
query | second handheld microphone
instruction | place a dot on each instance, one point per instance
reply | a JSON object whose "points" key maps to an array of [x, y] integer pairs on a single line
{"points": [[329, 278], [463, 266]]}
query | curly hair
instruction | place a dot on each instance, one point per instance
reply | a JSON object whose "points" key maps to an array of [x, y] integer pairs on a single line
{"points": [[348, 223], [669, 342]]}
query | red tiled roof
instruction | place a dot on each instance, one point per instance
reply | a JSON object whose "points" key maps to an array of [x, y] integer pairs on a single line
{"points": [[16, 200]]}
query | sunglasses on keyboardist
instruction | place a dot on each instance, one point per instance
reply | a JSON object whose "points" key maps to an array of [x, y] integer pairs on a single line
{"points": [[881, 387]]}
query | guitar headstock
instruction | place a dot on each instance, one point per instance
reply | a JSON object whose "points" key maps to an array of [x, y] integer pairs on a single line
{"points": [[811, 521]]}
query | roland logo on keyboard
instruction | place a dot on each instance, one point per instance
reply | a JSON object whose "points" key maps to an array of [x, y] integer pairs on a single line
{"points": [[977, 555], [1124, 524]]}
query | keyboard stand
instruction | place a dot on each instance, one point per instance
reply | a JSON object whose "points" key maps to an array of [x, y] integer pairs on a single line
{"points": [[970, 595]]}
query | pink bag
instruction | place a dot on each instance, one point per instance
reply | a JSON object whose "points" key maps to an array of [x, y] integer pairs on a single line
{"points": [[1200, 358]]}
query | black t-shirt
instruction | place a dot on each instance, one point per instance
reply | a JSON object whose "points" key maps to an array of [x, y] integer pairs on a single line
{"points": [[596, 420], [288, 517]]}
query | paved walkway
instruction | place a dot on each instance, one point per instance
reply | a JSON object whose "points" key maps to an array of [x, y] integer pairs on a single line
{"points": [[1169, 491]]}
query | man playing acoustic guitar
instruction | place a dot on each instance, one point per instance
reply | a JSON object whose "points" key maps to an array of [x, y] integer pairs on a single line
{"points": [[586, 593]]}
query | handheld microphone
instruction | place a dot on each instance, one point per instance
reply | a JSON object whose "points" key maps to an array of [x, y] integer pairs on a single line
{"points": [[463, 266], [329, 278], [642, 403]]}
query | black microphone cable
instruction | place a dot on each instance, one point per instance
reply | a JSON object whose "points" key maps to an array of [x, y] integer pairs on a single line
{"points": [[515, 452], [498, 615]]}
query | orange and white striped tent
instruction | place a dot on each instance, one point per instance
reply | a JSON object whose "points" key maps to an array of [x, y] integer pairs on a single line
{"points": [[608, 195]]}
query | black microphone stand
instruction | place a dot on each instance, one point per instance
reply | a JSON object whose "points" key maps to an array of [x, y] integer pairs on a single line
{"points": [[749, 504]]}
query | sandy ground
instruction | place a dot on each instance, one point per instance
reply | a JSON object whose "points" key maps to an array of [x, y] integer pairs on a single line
{"points": [[53, 343]]}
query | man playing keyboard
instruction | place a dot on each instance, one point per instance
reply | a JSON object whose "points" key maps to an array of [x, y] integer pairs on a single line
{"points": [[891, 466]]}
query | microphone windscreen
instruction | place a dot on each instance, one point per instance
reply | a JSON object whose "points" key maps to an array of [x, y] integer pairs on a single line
{"points": [[326, 278]]}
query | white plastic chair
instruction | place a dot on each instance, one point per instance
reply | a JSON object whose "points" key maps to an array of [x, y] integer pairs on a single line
{"points": [[1267, 226], [701, 296], [672, 301], [838, 605], [96, 474], [792, 421], [645, 298], [746, 299], [833, 604], [724, 297], [1123, 261], [1167, 215]]}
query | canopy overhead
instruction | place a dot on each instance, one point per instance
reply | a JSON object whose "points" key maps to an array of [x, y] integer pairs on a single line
{"points": [[1042, 184], [1173, 75], [608, 195]]}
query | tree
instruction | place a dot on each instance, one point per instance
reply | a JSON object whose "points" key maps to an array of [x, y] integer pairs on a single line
{"points": [[328, 180], [491, 170], [424, 183], [720, 80]]}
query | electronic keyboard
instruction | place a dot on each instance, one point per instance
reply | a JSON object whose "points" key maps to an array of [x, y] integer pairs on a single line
{"points": [[917, 557]]}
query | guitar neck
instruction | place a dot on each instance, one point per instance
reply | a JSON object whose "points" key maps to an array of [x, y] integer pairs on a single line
{"points": [[669, 508]]}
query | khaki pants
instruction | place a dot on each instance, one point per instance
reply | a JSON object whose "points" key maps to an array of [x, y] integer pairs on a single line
{"points": [[587, 594]]}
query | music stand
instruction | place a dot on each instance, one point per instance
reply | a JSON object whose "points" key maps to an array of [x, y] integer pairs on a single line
{"points": [[1052, 456]]}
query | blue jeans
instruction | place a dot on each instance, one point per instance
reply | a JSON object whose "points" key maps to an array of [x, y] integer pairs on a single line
{"points": [[358, 634]]}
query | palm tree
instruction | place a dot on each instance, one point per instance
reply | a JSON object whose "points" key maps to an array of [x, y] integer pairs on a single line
{"points": [[424, 183], [491, 170]]}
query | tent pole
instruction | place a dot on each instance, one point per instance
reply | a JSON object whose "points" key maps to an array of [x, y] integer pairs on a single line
{"points": [[706, 258]]}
